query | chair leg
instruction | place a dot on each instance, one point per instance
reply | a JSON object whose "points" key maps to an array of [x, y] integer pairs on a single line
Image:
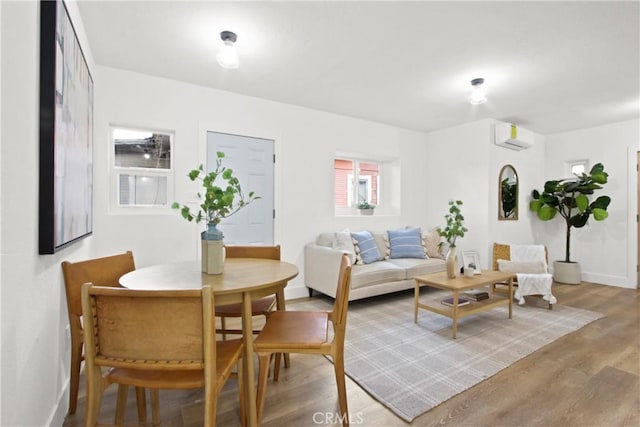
{"points": [[276, 365], [243, 406], [223, 326], [95, 388], [141, 399], [338, 363], [121, 405], [263, 372], [76, 360], [155, 407]]}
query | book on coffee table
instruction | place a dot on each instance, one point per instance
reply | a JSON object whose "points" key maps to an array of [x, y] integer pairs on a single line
{"points": [[475, 295], [461, 301]]}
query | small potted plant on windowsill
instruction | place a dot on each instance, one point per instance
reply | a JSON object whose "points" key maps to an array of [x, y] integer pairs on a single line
{"points": [[366, 208]]}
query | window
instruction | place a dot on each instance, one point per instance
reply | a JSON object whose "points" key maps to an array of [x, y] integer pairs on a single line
{"points": [[356, 181], [577, 167], [142, 170]]}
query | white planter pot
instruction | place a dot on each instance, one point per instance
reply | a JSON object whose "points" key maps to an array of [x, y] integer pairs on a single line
{"points": [[567, 272]]}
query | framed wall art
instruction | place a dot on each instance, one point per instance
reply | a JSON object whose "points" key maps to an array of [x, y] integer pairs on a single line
{"points": [[66, 133]]}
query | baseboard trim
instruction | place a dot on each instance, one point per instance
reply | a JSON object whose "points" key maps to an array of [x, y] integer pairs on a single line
{"points": [[604, 279], [295, 292], [61, 408]]}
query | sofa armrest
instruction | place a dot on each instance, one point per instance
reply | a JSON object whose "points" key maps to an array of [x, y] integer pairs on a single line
{"points": [[321, 268]]}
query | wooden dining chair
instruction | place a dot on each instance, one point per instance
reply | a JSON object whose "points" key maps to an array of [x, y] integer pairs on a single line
{"points": [[308, 332], [156, 340], [104, 271], [260, 307]]}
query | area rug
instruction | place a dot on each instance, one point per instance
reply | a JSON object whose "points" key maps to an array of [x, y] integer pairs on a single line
{"points": [[411, 368]]}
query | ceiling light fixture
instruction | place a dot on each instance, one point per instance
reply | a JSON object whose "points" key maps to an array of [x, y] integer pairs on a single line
{"points": [[477, 92], [228, 57]]}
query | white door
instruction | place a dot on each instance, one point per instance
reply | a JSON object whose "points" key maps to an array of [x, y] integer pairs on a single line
{"points": [[252, 162]]}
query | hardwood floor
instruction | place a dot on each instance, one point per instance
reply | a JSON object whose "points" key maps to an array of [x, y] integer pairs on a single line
{"points": [[587, 378]]}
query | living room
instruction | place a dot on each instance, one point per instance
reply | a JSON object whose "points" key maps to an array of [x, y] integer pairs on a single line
{"points": [[454, 161]]}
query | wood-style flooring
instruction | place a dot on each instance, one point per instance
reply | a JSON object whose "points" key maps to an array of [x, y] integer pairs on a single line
{"points": [[587, 378]]}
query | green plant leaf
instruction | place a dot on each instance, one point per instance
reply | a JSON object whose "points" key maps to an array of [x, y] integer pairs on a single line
{"points": [[551, 186], [582, 202], [600, 177], [175, 205], [546, 213], [599, 214], [535, 205], [535, 194], [579, 220], [601, 202]]}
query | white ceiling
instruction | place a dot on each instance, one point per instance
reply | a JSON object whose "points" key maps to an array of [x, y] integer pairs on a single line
{"points": [[548, 66]]}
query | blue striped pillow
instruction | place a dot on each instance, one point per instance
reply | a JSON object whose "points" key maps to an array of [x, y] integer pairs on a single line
{"points": [[406, 243], [366, 248]]}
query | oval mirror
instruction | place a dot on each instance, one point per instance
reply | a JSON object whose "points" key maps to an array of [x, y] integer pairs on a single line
{"points": [[508, 193]]}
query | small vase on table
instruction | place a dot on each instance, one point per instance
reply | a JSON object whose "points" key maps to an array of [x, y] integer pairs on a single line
{"points": [[452, 263], [212, 250]]}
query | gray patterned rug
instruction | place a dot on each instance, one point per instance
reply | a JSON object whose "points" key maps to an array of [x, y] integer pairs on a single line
{"points": [[411, 368]]}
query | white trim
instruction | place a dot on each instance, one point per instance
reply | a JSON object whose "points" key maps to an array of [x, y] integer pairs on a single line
{"points": [[632, 224]]}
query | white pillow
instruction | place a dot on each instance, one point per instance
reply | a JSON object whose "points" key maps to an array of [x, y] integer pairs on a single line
{"points": [[533, 267], [342, 241]]}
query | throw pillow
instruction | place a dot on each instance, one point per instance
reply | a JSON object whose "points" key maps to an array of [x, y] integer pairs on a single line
{"points": [[430, 241], [342, 241], [366, 248], [406, 243], [535, 267]]}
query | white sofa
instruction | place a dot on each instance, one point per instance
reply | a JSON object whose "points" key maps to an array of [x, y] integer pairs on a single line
{"points": [[322, 261]]}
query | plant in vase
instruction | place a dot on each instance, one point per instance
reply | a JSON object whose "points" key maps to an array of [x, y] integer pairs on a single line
{"points": [[222, 198], [366, 208], [570, 198], [454, 229]]}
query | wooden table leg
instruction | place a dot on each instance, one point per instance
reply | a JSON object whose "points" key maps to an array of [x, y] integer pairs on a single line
{"points": [[455, 314], [510, 297], [249, 372], [281, 306], [416, 296]]}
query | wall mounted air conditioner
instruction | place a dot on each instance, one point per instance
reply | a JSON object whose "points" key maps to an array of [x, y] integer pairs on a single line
{"points": [[513, 136]]}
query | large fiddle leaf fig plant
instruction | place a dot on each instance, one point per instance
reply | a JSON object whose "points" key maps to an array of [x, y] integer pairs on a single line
{"points": [[570, 198]]}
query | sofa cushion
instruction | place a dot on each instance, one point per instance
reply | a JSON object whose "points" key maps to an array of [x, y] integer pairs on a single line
{"points": [[406, 243], [375, 273], [325, 239], [417, 267], [430, 241], [365, 247], [381, 241], [342, 241]]}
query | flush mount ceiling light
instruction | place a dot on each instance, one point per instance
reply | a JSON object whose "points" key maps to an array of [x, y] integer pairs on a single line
{"points": [[477, 92], [228, 57]]}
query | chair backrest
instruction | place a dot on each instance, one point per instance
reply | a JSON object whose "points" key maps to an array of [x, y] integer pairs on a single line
{"points": [[148, 329], [264, 252], [503, 251], [104, 271], [341, 303]]}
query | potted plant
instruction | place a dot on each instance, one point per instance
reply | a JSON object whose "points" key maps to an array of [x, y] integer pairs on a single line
{"points": [[454, 229], [366, 208], [570, 198], [222, 198]]}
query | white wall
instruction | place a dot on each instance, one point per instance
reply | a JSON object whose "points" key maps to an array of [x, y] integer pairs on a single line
{"points": [[305, 144], [464, 163], [607, 250], [35, 341]]}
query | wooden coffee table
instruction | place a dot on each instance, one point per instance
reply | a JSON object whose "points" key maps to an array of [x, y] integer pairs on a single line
{"points": [[459, 285]]}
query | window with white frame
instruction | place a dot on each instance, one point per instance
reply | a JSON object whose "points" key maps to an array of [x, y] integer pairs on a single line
{"points": [[577, 167], [142, 167], [356, 181]]}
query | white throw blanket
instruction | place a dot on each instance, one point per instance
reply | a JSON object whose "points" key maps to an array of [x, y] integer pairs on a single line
{"points": [[535, 284], [532, 284]]}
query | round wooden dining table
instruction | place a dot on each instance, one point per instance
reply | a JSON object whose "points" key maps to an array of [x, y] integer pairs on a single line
{"points": [[242, 280]]}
